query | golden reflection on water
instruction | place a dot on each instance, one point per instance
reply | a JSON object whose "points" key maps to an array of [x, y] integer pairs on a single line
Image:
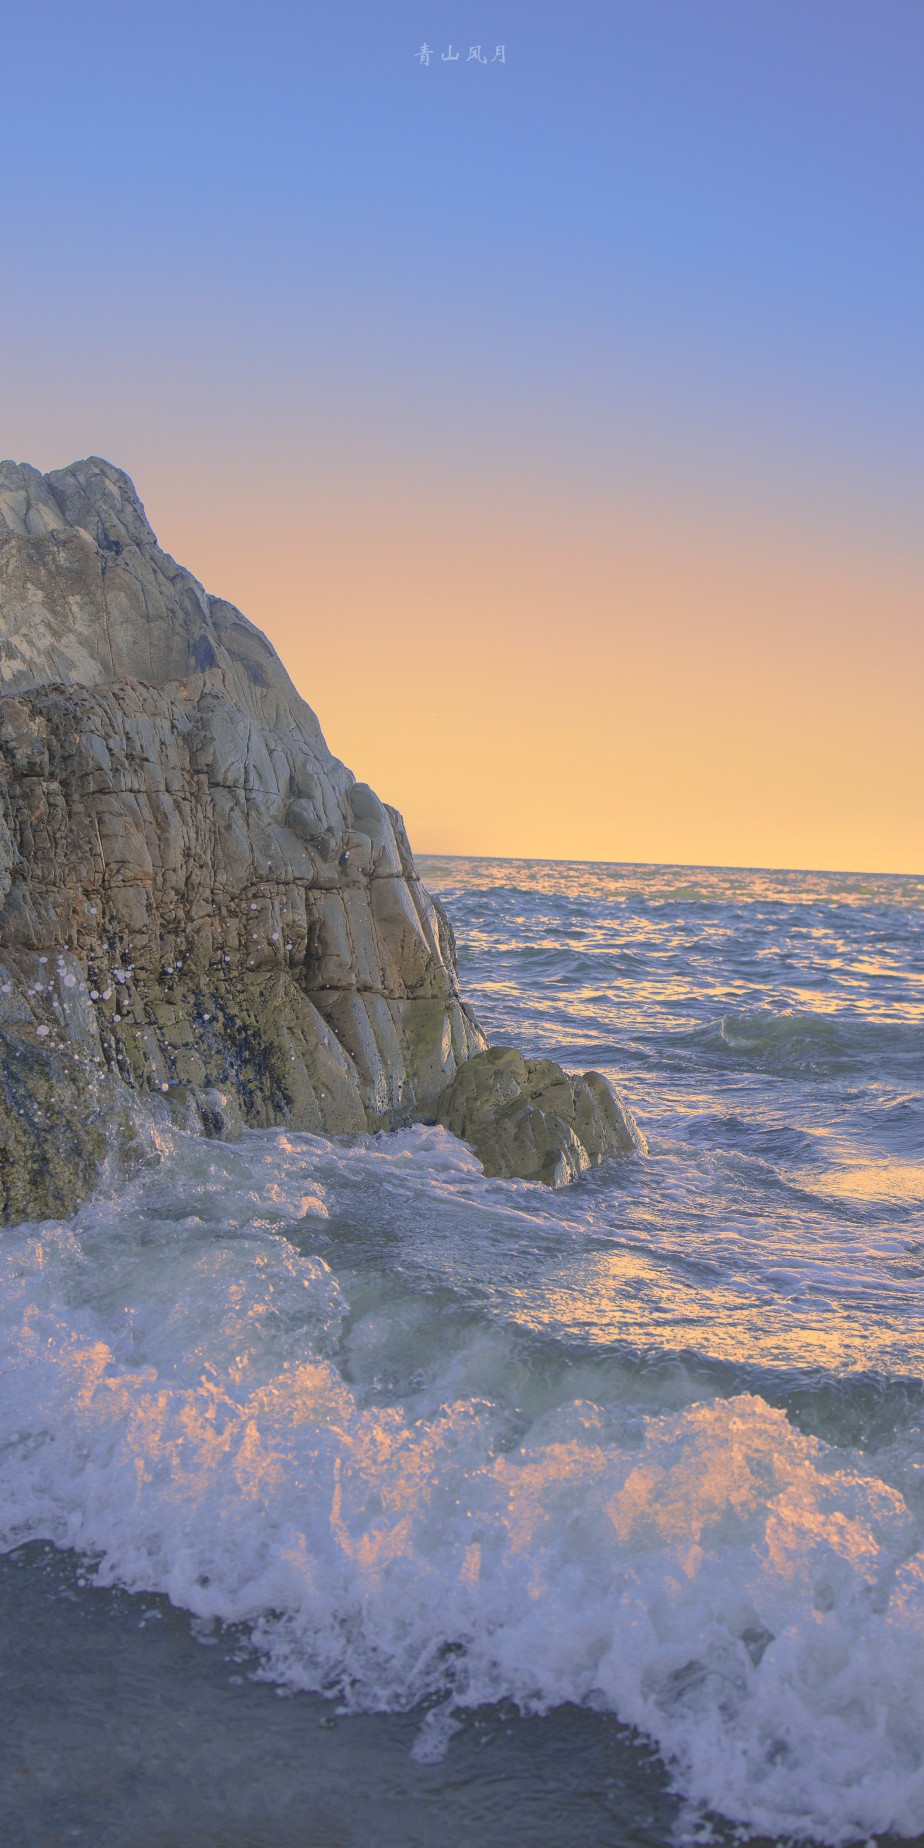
{"points": [[621, 1298], [739, 1472], [880, 1180]]}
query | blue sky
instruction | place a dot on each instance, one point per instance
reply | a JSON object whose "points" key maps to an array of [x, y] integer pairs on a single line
{"points": [[669, 248]]}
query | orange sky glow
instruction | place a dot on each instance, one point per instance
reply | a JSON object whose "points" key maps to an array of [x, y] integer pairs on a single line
{"points": [[562, 431], [523, 677]]}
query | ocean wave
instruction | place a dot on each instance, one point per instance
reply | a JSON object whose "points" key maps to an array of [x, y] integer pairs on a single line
{"points": [[180, 1403], [801, 1041]]}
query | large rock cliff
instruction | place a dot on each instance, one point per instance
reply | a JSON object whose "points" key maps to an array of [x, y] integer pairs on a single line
{"points": [[199, 905]]}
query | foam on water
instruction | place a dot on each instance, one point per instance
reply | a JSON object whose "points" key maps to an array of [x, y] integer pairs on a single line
{"points": [[218, 1388], [652, 1444]]}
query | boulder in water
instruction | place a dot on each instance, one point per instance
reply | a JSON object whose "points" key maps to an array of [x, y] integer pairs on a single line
{"points": [[529, 1118]]}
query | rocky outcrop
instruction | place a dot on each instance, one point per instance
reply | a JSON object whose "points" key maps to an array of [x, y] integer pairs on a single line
{"points": [[201, 911], [199, 902], [528, 1117]]}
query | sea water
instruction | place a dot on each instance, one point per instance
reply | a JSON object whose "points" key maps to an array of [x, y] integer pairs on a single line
{"points": [[591, 1517]]}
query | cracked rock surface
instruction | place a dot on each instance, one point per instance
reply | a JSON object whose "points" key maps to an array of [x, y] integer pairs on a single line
{"points": [[204, 918], [200, 905], [530, 1118]]}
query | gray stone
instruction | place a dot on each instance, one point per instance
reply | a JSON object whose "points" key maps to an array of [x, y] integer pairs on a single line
{"points": [[528, 1118], [234, 916], [202, 914]]}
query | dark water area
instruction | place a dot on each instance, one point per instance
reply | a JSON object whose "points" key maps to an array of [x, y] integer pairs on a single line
{"points": [[349, 1497], [156, 1733]]}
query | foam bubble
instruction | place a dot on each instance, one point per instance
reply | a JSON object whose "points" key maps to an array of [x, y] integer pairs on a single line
{"points": [[185, 1400]]}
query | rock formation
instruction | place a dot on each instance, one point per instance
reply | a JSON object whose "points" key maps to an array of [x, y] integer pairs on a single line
{"points": [[528, 1117], [200, 907]]}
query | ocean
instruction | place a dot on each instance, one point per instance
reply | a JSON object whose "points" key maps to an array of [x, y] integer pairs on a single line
{"points": [[351, 1499]]}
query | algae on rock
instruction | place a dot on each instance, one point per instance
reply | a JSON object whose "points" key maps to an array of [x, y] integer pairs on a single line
{"points": [[202, 913]]}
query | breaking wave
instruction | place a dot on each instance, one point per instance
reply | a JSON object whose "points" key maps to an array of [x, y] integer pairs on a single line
{"points": [[197, 1403]]}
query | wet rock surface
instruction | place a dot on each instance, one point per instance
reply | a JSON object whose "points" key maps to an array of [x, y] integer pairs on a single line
{"points": [[528, 1117], [202, 913], [201, 908]]}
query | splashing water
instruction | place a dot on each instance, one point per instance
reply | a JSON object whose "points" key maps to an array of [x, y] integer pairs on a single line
{"points": [[650, 1446]]}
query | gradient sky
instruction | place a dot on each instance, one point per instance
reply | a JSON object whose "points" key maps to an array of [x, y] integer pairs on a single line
{"points": [[561, 421]]}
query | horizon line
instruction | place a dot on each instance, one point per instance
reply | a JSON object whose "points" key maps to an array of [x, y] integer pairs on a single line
{"points": [[690, 866]]}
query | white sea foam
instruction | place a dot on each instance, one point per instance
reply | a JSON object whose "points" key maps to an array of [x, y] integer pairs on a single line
{"points": [[203, 1410]]}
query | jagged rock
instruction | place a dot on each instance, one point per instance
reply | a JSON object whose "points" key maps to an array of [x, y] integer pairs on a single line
{"points": [[531, 1119], [200, 908], [202, 914]]}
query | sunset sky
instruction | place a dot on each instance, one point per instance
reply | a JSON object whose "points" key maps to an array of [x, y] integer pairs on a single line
{"points": [[560, 419]]}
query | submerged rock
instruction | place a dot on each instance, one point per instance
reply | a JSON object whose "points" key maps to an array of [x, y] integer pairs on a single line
{"points": [[202, 914], [528, 1117]]}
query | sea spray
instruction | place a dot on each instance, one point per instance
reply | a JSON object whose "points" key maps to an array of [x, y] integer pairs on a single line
{"points": [[204, 1406]]}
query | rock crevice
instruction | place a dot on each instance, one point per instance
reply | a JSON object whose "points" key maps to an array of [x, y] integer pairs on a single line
{"points": [[200, 908]]}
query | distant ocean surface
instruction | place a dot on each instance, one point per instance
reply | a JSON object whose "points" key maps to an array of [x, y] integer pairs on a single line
{"points": [[566, 1519]]}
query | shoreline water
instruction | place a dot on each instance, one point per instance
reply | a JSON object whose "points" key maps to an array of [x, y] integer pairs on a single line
{"points": [[199, 1754], [652, 1443]]}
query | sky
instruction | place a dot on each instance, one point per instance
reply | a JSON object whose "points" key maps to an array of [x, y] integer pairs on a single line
{"points": [[556, 413]]}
